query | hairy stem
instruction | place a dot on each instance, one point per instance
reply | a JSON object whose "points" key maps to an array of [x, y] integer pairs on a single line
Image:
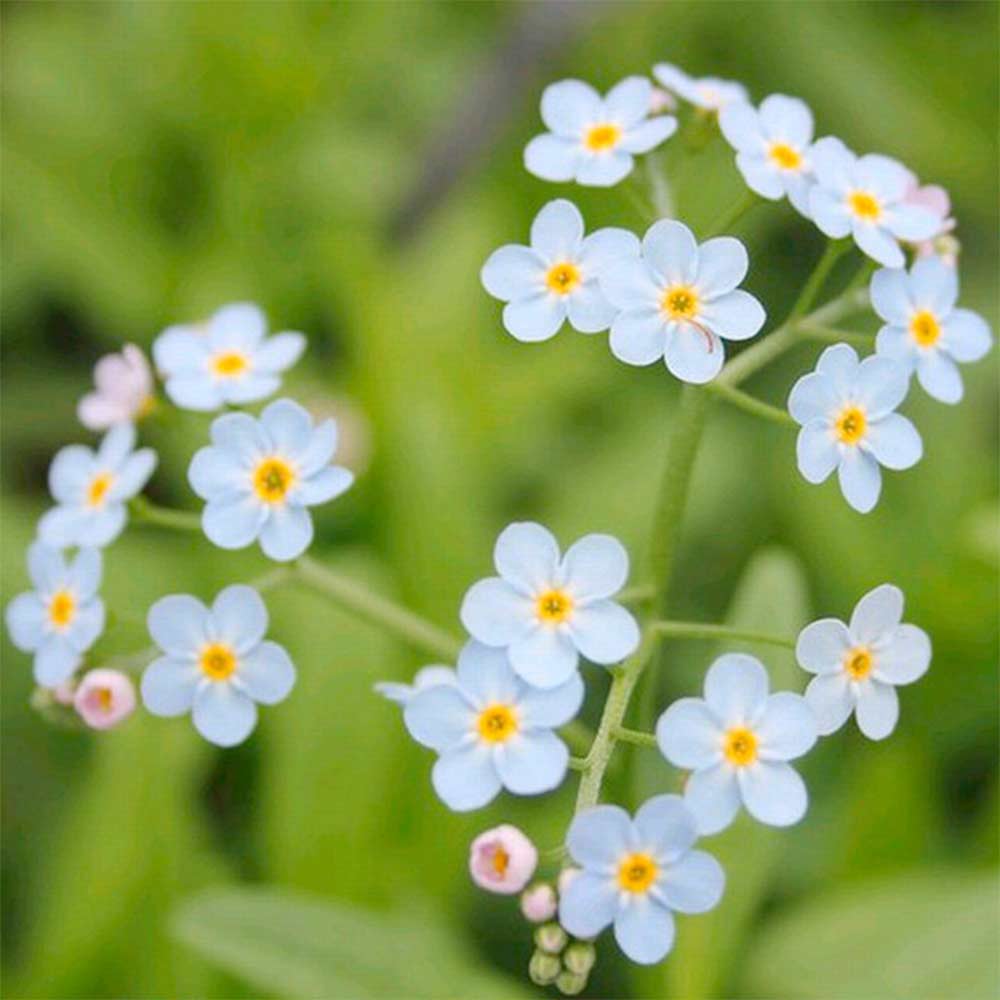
{"points": [[640, 739], [747, 403], [835, 249]]}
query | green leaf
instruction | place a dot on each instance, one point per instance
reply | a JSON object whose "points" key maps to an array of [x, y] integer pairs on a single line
{"points": [[930, 934], [301, 946]]}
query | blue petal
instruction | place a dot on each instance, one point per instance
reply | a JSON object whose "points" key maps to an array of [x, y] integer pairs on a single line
{"points": [[644, 930], [179, 624], [133, 475], [46, 567], [240, 435], [222, 714], [513, 272], [26, 619], [267, 673], [55, 661], [194, 390], [599, 836], [288, 426], [84, 575], [233, 523], [557, 230], [439, 717], [325, 485], [588, 904], [531, 762], [553, 707], [692, 884], [279, 352], [665, 827], [320, 449], [115, 446], [238, 618], [485, 676], [214, 472], [466, 779], [286, 533], [69, 473], [168, 686]]}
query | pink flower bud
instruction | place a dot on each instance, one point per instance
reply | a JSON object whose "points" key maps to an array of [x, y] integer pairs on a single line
{"points": [[124, 390], [538, 903], [64, 693], [104, 698], [661, 100], [502, 860]]}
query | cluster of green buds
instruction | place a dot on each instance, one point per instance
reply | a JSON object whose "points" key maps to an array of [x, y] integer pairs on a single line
{"points": [[558, 960]]}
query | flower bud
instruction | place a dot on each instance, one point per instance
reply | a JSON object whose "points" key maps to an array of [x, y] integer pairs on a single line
{"points": [[579, 958], [502, 860], [544, 969], [104, 698], [569, 983], [551, 938], [538, 902]]}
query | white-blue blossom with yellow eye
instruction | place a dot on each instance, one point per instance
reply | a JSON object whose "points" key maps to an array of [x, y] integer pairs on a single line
{"points": [[635, 873], [678, 299], [216, 663], [261, 475], [63, 616], [866, 197], [555, 278], [91, 489], [859, 666], [924, 331], [545, 610], [737, 742], [707, 92], [772, 146], [846, 410], [425, 677], [228, 359], [491, 730], [592, 140]]}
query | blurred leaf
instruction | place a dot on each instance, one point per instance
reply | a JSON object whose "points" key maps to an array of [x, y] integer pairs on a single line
{"points": [[301, 947], [920, 935]]}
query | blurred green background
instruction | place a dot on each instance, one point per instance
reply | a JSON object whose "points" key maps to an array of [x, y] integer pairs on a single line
{"points": [[349, 167]]}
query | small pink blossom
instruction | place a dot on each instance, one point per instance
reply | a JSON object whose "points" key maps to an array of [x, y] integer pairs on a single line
{"points": [[64, 693], [104, 698], [502, 860], [660, 101], [124, 390], [935, 199], [539, 903]]}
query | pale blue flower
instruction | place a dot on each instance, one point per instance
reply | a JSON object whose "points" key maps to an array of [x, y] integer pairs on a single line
{"points": [[261, 475], [591, 140], [555, 279], [216, 663], [866, 197], [858, 666], [425, 677], [773, 147], [678, 299], [846, 410], [545, 610], [492, 731], [635, 873], [737, 742], [91, 489], [924, 331], [63, 616], [707, 92], [228, 359]]}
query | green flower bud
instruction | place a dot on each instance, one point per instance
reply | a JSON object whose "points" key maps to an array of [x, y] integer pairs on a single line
{"points": [[579, 958], [551, 938], [543, 970], [569, 983]]}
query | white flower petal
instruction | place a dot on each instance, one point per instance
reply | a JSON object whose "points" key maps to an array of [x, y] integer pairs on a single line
{"points": [[787, 119], [115, 446], [628, 284], [536, 318], [627, 102], [168, 686], [736, 315], [87, 625], [101, 527], [552, 158], [877, 613], [935, 286], [816, 451], [773, 793], [570, 105], [179, 348], [839, 364], [670, 248], [46, 566], [223, 715], [63, 527], [588, 904], [966, 335], [239, 618], [133, 475], [736, 689], [485, 675], [287, 533], [179, 624], [860, 479], [267, 673], [905, 658], [761, 175], [239, 435], [554, 707], [649, 134], [878, 243], [544, 657], [557, 231], [689, 735], [812, 398], [70, 472], [665, 826], [877, 710], [831, 699], [604, 632], [882, 176], [722, 265], [692, 355], [324, 486], [890, 295], [821, 646], [196, 391], [829, 213], [240, 325], [532, 762], [588, 310], [692, 884], [55, 661], [320, 450], [495, 613], [439, 717], [513, 272], [599, 836], [527, 556], [638, 337], [595, 566], [896, 343], [833, 163], [604, 169], [740, 126], [233, 522], [606, 246], [894, 441], [644, 930], [912, 222], [787, 729], [279, 352], [881, 385], [466, 779], [249, 388], [713, 796], [939, 376], [26, 619], [287, 425]]}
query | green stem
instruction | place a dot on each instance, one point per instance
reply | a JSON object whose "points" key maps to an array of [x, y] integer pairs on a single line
{"points": [[146, 512], [378, 610], [640, 739], [696, 630], [834, 336], [747, 402], [835, 249], [736, 211]]}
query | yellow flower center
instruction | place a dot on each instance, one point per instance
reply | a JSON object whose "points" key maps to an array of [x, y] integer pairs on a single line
{"points": [[562, 278], [217, 661], [554, 606], [98, 488], [500, 861], [62, 608], [637, 872], [850, 424], [858, 663], [924, 328], [865, 206], [680, 302], [740, 746], [229, 364], [272, 479], [785, 157], [497, 723], [600, 138], [104, 699]]}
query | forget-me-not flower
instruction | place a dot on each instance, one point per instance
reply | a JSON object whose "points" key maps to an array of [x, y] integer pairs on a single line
{"points": [[846, 410], [592, 139], [63, 616], [635, 873], [866, 197], [924, 331], [492, 731], [555, 278], [707, 92], [858, 666], [91, 488], [545, 611], [425, 677], [772, 146], [737, 742], [678, 299], [228, 359], [261, 475], [216, 663]]}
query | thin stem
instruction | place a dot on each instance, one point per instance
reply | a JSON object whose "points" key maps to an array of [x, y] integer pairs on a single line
{"points": [[659, 189], [577, 764], [736, 211], [835, 249], [640, 739], [401, 622], [146, 512], [696, 630], [834, 336], [747, 402]]}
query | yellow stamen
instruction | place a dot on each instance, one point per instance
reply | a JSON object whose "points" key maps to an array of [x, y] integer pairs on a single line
{"points": [[858, 662], [98, 488], [865, 206], [637, 872], [851, 424], [229, 364], [740, 746], [924, 328], [217, 661], [272, 479], [680, 302], [600, 138], [786, 157], [501, 859], [62, 608], [105, 701], [554, 606], [562, 278], [497, 723]]}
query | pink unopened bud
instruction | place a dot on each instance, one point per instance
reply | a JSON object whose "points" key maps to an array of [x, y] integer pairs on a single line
{"points": [[538, 903], [104, 698], [660, 101], [124, 390], [64, 693], [566, 877], [502, 860]]}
